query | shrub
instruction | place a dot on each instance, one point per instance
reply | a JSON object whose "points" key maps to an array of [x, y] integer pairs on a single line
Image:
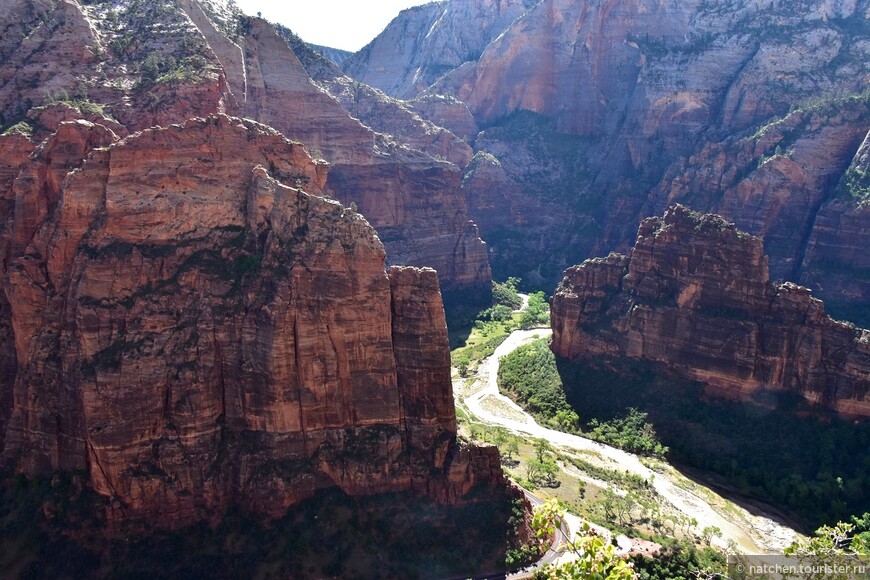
{"points": [[505, 293], [538, 312]]}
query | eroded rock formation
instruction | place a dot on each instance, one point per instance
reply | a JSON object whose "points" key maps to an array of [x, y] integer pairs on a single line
{"points": [[192, 328], [694, 293], [137, 65]]}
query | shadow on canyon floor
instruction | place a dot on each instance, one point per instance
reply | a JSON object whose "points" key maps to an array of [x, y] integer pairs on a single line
{"points": [[48, 529], [806, 461]]}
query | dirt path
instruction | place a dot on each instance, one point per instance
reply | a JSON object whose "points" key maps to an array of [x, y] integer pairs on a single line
{"points": [[749, 533]]}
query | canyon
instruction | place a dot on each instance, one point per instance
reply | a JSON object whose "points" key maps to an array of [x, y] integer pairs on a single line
{"points": [[594, 115], [694, 295], [225, 254]]}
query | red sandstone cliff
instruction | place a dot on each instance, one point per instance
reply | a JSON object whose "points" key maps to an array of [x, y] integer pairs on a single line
{"points": [[414, 202], [196, 331], [138, 65], [694, 294]]}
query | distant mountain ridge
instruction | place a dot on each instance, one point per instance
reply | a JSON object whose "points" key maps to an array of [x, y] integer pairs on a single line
{"points": [[334, 55], [424, 42]]}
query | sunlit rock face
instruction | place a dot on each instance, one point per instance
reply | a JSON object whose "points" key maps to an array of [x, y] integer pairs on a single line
{"points": [[196, 331], [134, 66], [752, 110], [424, 42], [694, 294]]}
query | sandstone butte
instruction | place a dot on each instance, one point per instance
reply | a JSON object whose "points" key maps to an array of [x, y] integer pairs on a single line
{"points": [[223, 62], [694, 294], [183, 322]]}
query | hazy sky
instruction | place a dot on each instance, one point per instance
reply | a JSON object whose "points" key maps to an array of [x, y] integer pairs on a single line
{"points": [[347, 24]]}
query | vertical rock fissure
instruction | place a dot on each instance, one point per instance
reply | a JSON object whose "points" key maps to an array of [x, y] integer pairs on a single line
{"points": [[96, 460], [297, 360], [403, 403]]}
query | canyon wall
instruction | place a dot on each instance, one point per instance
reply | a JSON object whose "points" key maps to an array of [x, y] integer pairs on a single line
{"points": [[193, 329], [145, 64], [694, 294], [413, 200], [186, 314], [424, 42], [593, 115]]}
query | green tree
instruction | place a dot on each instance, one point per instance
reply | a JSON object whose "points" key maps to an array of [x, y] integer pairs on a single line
{"points": [[711, 532], [831, 545], [542, 448], [549, 472], [631, 432], [596, 559], [499, 437], [537, 313], [567, 420], [505, 293], [498, 313], [533, 468], [511, 448]]}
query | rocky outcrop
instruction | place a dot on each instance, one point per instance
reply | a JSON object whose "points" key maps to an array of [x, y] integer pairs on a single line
{"points": [[694, 294], [424, 42], [778, 183], [448, 112], [197, 328], [376, 110], [835, 260]]}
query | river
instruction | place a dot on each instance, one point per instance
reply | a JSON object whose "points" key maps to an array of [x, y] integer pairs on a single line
{"points": [[747, 533]]}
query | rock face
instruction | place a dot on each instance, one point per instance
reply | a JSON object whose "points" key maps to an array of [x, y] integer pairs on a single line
{"points": [[424, 42], [782, 183], [414, 201], [376, 110], [694, 294], [196, 331], [143, 64], [835, 260]]}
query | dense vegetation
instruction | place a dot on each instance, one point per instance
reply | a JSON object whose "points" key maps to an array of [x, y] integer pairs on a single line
{"points": [[332, 535], [530, 375], [800, 458], [505, 293], [476, 337], [679, 559], [631, 432]]}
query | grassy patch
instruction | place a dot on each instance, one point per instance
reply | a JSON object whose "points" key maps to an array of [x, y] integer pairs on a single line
{"points": [[22, 127]]}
